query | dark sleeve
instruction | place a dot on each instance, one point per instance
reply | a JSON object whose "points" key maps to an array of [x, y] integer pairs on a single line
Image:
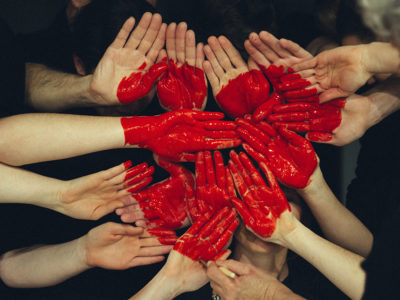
{"points": [[383, 264], [12, 75]]}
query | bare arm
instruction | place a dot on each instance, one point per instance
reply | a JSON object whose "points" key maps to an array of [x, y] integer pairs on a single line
{"points": [[338, 224], [46, 265], [33, 138]]}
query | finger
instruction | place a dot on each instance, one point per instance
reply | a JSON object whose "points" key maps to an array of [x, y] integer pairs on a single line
{"points": [[235, 266], [170, 41], [293, 107], [219, 170], [209, 167], [243, 211], [190, 48], [311, 90], [254, 154], [221, 56], [256, 55], [199, 56], [264, 49], [253, 131], [265, 109], [294, 126], [305, 65], [332, 93], [151, 34], [211, 225], [220, 241], [295, 49], [162, 56], [288, 117], [139, 32], [209, 53], [212, 77], [115, 171], [273, 43], [233, 55], [217, 144], [320, 137], [252, 65], [105, 209], [230, 185], [252, 171], [237, 178], [142, 261], [180, 46], [123, 34], [217, 278], [154, 53], [294, 84], [133, 187], [124, 229], [152, 242], [293, 138]]}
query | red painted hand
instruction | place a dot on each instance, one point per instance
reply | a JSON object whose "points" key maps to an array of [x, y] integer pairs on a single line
{"points": [[206, 238], [262, 205], [164, 236], [318, 120], [182, 87], [127, 72], [162, 204], [176, 135], [214, 185], [237, 87], [290, 157]]}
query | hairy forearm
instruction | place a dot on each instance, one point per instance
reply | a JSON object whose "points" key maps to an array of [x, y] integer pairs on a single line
{"points": [[32, 138], [337, 223], [376, 63], [340, 266], [42, 266], [21, 186], [53, 91]]}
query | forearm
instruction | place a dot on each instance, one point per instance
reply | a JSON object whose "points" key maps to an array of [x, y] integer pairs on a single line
{"points": [[385, 100], [32, 138], [340, 266], [281, 292], [21, 186], [42, 266], [376, 63], [160, 287], [53, 91], [337, 223]]}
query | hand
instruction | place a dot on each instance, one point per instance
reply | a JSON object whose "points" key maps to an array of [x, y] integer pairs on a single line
{"points": [[290, 157], [162, 204], [92, 197], [249, 282], [338, 72], [262, 205], [214, 185], [176, 135], [237, 87], [126, 72], [184, 84], [267, 52], [337, 122], [118, 247]]}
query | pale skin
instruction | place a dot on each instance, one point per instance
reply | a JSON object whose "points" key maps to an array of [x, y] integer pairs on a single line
{"points": [[342, 71], [89, 197], [50, 90], [110, 245]]}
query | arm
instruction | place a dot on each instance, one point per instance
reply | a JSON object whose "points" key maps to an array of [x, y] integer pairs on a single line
{"points": [[42, 266], [88, 197], [338, 224], [174, 135], [125, 73]]}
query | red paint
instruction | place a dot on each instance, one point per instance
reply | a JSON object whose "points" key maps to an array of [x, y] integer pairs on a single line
{"points": [[214, 187], [165, 236], [182, 87], [291, 158], [139, 84], [274, 73], [310, 117], [293, 84], [265, 109], [127, 165], [206, 238], [164, 203], [178, 135], [243, 94], [262, 203], [138, 177]]}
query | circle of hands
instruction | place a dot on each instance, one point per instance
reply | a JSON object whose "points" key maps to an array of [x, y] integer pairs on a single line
{"points": [[273, 97]]}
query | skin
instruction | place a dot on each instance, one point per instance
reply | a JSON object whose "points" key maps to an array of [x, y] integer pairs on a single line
{"points": [[237, 87], [184, 84], [89, 197], [53, 264]]}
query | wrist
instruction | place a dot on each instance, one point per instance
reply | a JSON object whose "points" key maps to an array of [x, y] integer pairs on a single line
{"points": [[375, 62], [316, 183], [82, 254]]}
